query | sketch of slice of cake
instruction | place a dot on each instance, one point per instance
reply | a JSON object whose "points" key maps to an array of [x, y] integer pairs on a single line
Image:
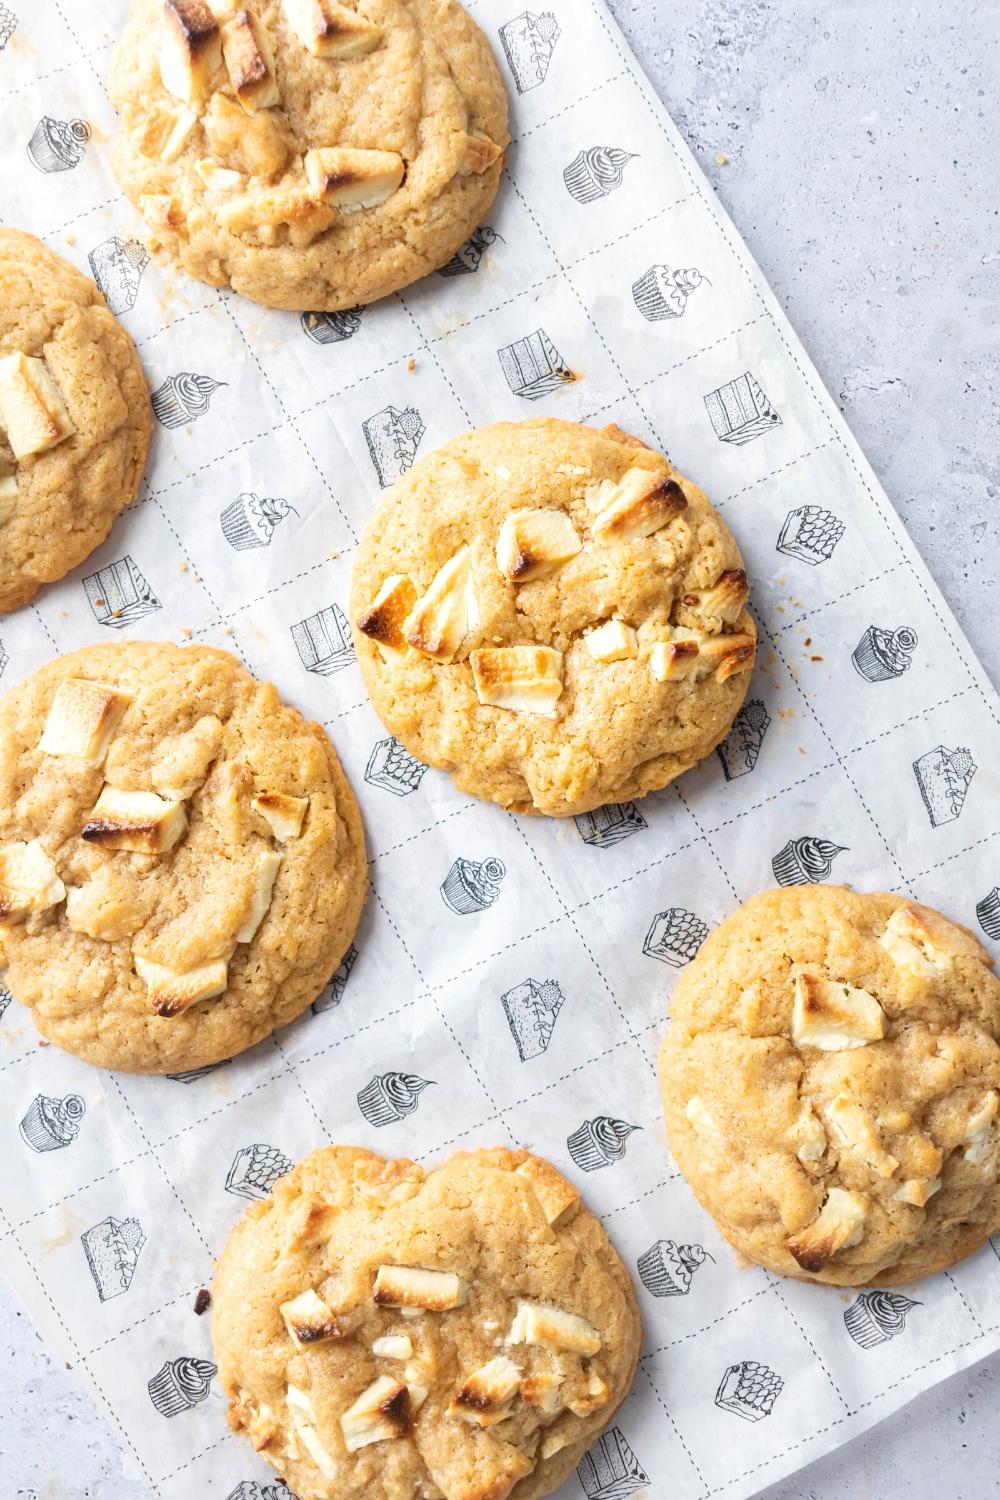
{"points": [[528, 43], [250, 521], [193, 1074], [58, 145], [532, 1009], [607, 826], [469, 257], [663, 293], [611, 1471], [334, 992], [393, 437], [533, 366], [120, 594], [810, 533], [324, 641], [394, 769], [112, 1249], [675, 936], [331, 328], [988, 912], [740, 411], [741, 748], [8, 25], [255, 1170], [183, 398], [666, 1269], [749, 1389], [944, 777], [117, 266]]}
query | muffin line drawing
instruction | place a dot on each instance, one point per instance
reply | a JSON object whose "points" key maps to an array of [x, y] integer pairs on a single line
{"points": [[58, 145], [472, 885], [610, 1470], [181, 1384], [666, 1269], [599, 1142], [607, 826], [749, 1389], [532, 1009], [390, 1097], [811, 534], [533, 366], [674, 936], [876, 1317], [596, 172], [249, 522], [988, 913], [331, 328], [117, 266], [5, 998], [881, 655], [112, 1249], [805, 861], [52, 1124], [183, 398], [193, 1074], [662, 293], [528, 42], [324, 641], [255, 1170], [337, 983], [944, 777], [740, 750], [469, 257], [393, 437], [119, 594], [394, 769]]}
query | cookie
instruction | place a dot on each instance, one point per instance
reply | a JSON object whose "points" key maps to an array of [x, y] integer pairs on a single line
{"points": [[182, 865], [831, 1084], [306, 153], [74, 418], [554, 615], [459, 1334]]}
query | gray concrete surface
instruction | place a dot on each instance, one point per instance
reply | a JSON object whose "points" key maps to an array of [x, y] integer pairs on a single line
{"points": [[863, 172]]}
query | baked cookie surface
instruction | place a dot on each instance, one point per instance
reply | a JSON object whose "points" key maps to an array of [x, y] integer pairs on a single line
{"points": [[553, 615], [305, 153], [182, 864], [831, 1083], [382, 1332], [74, 418]]}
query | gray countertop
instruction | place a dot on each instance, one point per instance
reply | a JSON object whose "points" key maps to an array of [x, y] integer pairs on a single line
{"points": [[863, 173]]}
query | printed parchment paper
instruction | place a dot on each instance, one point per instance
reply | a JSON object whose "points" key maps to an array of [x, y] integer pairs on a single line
{"points": [[511, 977]]}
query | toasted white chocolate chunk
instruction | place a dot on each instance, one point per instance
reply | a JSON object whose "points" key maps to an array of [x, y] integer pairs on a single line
{"points": [[726, 655], [162, 211], [834, 1016], [309, 1320], [443, 619], [139, 821], [612, 641], [419, 1289], [165, 132], [29, 881], [675, 660], [327, 29], [32, 411], [190, 50], [301, 1411], [218, 179], [385, 618], [534, 543], [639, 504], [352, 179], [542, 1390], [691, 653], [9, 491], [249, 57], [918, 1190], [380, 1413], [284, 815], [267, 872], [855, 1130], [524, 679], [559, 1199], [839, 1225], [980, 1132], [598, 1395], [82, 720], [723, 601], [479, 155], [393, 1346], [273, 208], [172, 992], [484, 1397], [539, 1323], [918, 938]]}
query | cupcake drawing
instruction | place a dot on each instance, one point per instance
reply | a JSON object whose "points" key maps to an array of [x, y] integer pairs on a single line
{"points": [[528, 43], [58, 145], [599, 1142], [394, 769], [607, 826], [740, 411], [749, 1389], [469, 257], [595, 173], [249, 1489], [810, 534], [944, 777], [390, 1097], [51, 1124], [5, 998], [472, 885], [988, 912], [181, 1384], [250, 522], [876, 1317], [119, 594], [324, 641], [334, 992], [393, 437], [8, 25], [611, 1471], [255, 1170], [741, 748], [193, 1074], [675, 936], [663, 293], [117, 266], [183, 398], [882, 654], [4, 658], [533, 366], [331, 328], [112, 1250], [805, 861], [532, 1009], [666, 1268]]}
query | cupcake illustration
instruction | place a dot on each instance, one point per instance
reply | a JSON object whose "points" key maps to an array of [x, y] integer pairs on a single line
{"points": [[599, 1142], [741, 748], [749, 1389], [249, 1489], [51, 1124], [180, 1385], [117, 266], [675, 936], [529, 42], [944, 777], [608, 825], [183, 398], [394, 769], [805, 861], [810, 534], [876, 1317], [663, 293], [5, 998], [469, 257], [472, 885], [595, 173], [666, 1269], [331, 328], [610, 1470], [112, 1250], [532, 1009], [58, 145], [250, 522], [8, 25], [255, 1170], [390, 1097], [882, 654], [988, 912]]}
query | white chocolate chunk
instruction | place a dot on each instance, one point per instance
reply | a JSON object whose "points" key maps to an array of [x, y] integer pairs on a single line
{"points": [[301, 1411], [722, 602], [810, 1136], [639, 504], [9, 491], [559, 1199], [165, 131], [218, 179], [598, 1395], [309, 1320], [479, 155], [162, 211], [353, 179], [249, 56], [190, 51], [385, 618], [443, 619], [29, 882], [919, 938], [272, 208], [612, 641], [839, 1225], [138, 821], [524, 679], [834, 1016], [675, 660], [535, 543], [700, 1118], [918, 1190], [539, 1323], [726, 655], [267, 872], [980, 1132], [82, 720], [284, 815], [556, 1442], [393, 1346], [415, 1288], [542, 1390], [172, 991], [856, 1130], [484, 1397], [380, 1413], [692, 654], [327, 29], [32, 411]]}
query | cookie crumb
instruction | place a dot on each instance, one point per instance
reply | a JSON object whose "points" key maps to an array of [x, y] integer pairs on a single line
{"points": [[334, 553], [815, 658], [411, 365], [182, 567], [70, 240], [227, 630], [203, 1301], [808, 640], [721, 160], [186, 633]]}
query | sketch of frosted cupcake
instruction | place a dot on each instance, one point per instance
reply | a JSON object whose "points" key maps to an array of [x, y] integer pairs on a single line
{"points": [[749, 1389], [675, 936], [255, 1170], [882, 654], [183, 398], [611, 1471], [663, 293], [472, 885], [58, 145], [250, 521], [8, 25], [876, 1317], [810, 534], [666, 1269], [390, 1097], [805, 861], [117, 266], [944, 777], [597, 172], [112, 1250], [988, 912], [608, 825], [180, 1385], [51, 1124], [529, 42], [469, 257], [741, 748], [532, 1009], [599, 1142], [331, 328]]}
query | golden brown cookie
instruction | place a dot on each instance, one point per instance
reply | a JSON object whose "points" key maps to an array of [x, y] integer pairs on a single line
{"points": [[459, 1334], [831, 1083], [182, 864], [554, 615], [307, 153], [74, 418]]}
